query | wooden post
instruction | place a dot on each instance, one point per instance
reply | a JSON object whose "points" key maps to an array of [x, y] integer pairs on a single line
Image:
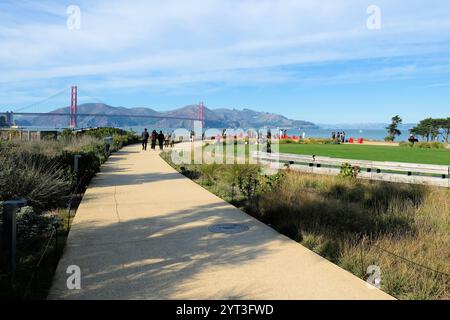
{"points": [[76, 168]]}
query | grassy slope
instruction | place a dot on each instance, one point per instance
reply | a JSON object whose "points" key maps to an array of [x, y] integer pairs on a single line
{"points": [[375, 153]]}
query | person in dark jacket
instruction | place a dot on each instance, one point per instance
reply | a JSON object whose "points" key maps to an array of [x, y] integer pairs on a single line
{"points": [[161, 140], [154, 137], [144, 137]]}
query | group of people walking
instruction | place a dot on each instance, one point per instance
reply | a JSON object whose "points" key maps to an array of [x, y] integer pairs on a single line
{"points": [[338, 136], [154, 136]]}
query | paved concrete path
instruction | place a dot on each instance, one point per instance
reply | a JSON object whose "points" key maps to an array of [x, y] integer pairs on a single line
{"points": [[141, 232]]}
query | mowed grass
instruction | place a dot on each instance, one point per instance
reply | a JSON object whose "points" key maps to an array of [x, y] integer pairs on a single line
{"points": [[374, 153]]}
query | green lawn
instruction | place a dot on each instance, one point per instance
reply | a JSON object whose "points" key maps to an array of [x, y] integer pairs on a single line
{"points": [[375, 153]]}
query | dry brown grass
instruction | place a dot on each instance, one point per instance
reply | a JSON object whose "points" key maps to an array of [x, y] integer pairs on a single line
{"points": [[357, 224]]}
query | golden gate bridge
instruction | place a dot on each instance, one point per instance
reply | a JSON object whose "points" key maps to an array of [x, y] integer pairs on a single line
{"points": [[74, 114]]}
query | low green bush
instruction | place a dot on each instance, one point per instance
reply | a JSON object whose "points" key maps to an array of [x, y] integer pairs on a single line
{"points": [[349, 171], [423, 145], [317, 141]]}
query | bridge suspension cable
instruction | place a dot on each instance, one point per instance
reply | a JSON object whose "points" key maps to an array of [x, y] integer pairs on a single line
{"points": [[84, 92], [74, 114], [62, 91]]}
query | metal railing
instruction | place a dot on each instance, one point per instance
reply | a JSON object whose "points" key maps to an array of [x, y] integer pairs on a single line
{"points": [[438, 175]]}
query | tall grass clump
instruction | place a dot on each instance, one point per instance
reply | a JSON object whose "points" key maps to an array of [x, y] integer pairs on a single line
{"points": [[43, 184], [346, 219]]}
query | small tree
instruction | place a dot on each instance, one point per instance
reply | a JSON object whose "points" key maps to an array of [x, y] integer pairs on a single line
{"points": [[392, 129], [249, 180]]}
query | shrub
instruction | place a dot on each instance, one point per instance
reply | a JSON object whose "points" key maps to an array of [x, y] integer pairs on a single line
{"points": [[43, 184], [316, 141], [349, 171], [249, 180], [209, 172], [424, 145], [43, 171]]}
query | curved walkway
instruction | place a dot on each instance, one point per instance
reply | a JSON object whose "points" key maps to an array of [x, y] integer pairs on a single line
{"points": [[142, 232]]}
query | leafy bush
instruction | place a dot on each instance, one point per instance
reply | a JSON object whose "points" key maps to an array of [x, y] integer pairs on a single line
{"points": [[349, 171], [249, 180]]}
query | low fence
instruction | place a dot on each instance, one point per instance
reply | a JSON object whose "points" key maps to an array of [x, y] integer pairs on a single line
{"points": [[436, 175], [13, 134]]}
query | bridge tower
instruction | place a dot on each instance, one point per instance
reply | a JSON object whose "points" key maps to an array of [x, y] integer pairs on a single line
{"points": [[73, 107], [9, 118], [201, 113]]}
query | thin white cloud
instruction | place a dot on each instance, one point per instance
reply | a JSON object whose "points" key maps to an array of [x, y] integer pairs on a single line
{"points": [[175, 43]]}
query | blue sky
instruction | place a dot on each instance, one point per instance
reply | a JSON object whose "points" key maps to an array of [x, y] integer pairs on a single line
{"points": [[311, 60]]}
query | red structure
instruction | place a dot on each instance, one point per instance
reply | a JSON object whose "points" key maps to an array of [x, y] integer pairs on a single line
{"points": [[73, 107], [201, 113]]}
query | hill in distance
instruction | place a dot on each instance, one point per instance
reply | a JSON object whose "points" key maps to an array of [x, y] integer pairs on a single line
{"points": [[364, 126], [214, 118]]}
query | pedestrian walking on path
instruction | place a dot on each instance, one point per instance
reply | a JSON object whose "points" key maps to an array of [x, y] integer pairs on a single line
{"points": [[166, 140], [161, 140], [144, 136], [154, 137], [172, 139]]}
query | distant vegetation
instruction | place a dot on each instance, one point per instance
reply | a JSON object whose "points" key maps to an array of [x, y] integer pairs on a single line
{"points": [[431, 129], [424, 145], [352, 223]]}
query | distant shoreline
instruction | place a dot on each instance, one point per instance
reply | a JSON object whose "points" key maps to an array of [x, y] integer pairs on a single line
{"points": [[373, 135]]}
